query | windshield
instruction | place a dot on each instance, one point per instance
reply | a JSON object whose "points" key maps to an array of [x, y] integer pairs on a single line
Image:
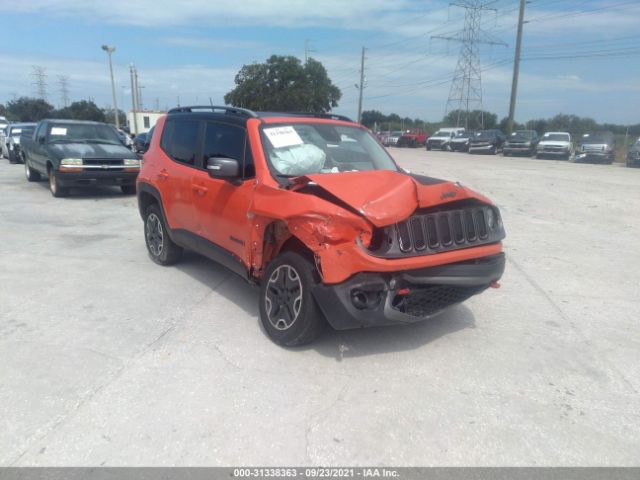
{"points": [[597, 137], [83, 133], [441, 133], [15, 130], [523, 135], [486, 134], [558, 137], [27, 130], [396, 134], [464, 135], [306, 148]]}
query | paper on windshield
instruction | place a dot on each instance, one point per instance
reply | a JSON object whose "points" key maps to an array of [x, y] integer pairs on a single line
{"points": [[58, 131], [16, 130], [281, 137]]}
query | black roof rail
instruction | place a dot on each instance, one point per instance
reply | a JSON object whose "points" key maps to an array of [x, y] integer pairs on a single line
{"points": [[213, 108], [331, 116]]}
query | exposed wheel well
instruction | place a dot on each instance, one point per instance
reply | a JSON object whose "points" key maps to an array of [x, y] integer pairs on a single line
{"points": [[145, 199]]}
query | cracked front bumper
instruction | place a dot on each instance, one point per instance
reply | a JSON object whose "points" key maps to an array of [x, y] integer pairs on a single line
{"points": [[375, 299]]}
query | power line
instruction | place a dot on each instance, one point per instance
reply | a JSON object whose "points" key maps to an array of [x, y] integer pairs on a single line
{"points": [[465, 94]]}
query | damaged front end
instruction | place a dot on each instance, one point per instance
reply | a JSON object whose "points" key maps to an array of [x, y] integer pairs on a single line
{"points": [[386, 258]]}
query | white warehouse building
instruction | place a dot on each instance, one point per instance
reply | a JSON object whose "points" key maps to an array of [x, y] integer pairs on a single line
{"points": [[142, 121]]}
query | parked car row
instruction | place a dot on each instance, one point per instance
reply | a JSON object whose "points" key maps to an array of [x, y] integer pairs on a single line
{"points": [[592, 147]]}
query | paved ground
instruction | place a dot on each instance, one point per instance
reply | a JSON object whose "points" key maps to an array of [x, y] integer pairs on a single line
{"points": [[108, 359]]}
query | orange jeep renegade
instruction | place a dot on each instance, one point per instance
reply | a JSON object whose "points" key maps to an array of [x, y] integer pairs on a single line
{"points": [[313, 209]]}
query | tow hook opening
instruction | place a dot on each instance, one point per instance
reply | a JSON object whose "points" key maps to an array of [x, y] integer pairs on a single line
{"points": [[366, 299]]}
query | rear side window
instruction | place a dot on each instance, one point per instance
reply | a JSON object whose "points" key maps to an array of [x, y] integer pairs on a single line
{"points": [[180, 140], [222, 140]]}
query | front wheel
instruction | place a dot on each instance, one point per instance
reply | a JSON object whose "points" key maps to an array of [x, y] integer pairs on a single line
{"points": [[54, 186], [288, 310], [13, 157]]}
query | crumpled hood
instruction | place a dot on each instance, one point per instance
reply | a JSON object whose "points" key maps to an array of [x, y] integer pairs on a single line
{"points": [[89, 150], [385, 197]]}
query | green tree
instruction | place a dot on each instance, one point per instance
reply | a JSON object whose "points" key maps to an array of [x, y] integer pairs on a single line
{"points": [[26, 109], [82, 110], [283, 83], [109, 117], [476, 120]]}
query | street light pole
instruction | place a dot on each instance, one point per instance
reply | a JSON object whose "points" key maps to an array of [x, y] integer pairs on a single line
{"points": [[116, 115]]}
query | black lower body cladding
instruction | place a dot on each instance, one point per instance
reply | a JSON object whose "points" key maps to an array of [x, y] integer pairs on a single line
{"points": [[377, 299]]}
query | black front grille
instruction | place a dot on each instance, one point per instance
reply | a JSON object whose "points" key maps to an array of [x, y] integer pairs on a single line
{"points": [[103, 161], [441, 231], [430, 300]]}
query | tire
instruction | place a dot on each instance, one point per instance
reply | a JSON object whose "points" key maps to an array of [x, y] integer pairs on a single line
{"points": [[13, 158], [56, 189], [288, 280], [128, 189], [161, 248], [428, 148], [31, 174], [493, 150]]}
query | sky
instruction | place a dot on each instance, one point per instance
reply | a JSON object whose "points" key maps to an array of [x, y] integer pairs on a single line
{"points": [[579, 57]]}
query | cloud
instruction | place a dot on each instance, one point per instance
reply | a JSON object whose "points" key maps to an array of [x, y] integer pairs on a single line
{"points": [[90, 79], [283, 13], [214, 44]]}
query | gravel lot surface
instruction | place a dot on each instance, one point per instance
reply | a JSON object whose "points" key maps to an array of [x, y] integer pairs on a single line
{"points": [[109, 359]]}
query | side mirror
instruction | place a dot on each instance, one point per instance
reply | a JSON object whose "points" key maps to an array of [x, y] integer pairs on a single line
{"points": [[41, 140], [222, 167]]}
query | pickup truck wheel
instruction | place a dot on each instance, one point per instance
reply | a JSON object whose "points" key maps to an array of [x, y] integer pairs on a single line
{"points": [[56, 190], [162, 249], [128, 189], [288, 310], [13, 158], [32, 175]]}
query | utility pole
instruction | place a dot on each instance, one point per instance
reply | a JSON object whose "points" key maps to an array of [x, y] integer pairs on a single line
{"points": [[360, 86], [109, 51], [465, 94], [516, 69], [134, 98]]}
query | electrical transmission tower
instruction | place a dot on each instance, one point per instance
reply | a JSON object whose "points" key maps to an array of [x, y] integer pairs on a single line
{"points": [[465, 95], [40, 81], [63, 84]]}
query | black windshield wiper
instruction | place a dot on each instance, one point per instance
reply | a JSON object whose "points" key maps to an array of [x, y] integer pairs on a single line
{"points": [[106, 142], [65, 140]]}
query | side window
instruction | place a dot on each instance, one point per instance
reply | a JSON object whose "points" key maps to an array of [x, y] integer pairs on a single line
{"points": [[180, 140], [145, 120], [41, 131], [222, 140]]}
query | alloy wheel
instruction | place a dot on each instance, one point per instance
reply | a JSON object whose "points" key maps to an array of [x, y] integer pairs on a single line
{"points": [[283, 299], [154, 234]]}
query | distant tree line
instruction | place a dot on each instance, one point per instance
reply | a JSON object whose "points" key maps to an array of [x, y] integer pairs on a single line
{"points": [[26, 109], [566, 123]]}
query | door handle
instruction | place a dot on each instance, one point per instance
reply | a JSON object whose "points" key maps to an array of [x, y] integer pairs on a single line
{"points": [[163, 175], [199, 189]]}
